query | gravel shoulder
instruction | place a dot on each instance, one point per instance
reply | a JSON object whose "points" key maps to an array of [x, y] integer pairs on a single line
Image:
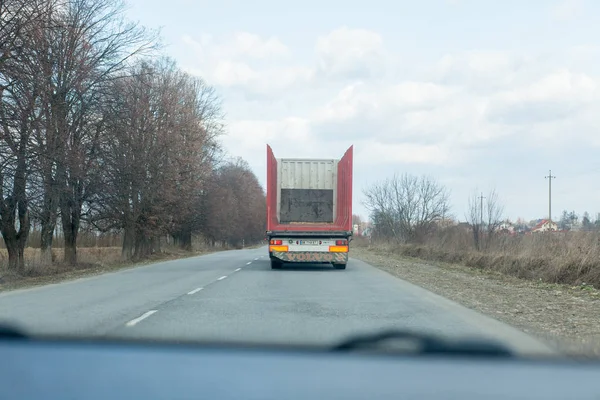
{"points": [[563, 316]]}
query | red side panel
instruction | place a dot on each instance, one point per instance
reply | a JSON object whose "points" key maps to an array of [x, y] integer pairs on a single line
{"points": [[343, 218], [271, 190], [344, 194]]}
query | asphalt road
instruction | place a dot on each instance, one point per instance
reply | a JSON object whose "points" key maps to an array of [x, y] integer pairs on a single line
{"points": [[234, 295]]}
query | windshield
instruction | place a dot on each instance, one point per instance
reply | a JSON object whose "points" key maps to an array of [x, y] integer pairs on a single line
{"points": [[250, 172]]}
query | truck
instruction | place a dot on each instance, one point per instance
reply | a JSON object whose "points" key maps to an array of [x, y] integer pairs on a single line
{"points": [[309, 210]]}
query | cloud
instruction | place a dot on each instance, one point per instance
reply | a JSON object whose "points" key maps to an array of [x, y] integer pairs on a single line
{"points": [[237, 45], [350, 53], [360, 99], [246, 61], [485, 71], [553, 97], [562, 85], [566, 9], [375, 153], [248, 44], [265, 66], [462, 118]]}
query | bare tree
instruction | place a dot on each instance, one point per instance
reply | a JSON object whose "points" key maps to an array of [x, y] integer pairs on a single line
{"points": [[484, 222], [16, 18], [86, 43], [494, 215], [92, 135], [135, 157], [474, 215], [19, 117], [157, 156], [407, 207], [235, 206], [195, 155]]}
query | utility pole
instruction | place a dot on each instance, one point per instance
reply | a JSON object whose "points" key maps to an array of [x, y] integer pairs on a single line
{"points": [[550, 177], [481, 208]]}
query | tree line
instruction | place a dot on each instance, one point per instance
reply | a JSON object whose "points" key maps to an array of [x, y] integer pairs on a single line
{"points": [[406, 208], [410, 209], [97, 128]]}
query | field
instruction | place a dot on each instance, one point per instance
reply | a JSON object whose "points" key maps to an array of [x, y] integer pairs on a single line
{"points": [[86, 256], [92, 261], [569, 258]]}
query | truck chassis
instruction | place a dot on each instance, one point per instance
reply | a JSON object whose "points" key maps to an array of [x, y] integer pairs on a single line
{"points": [[309, 247]]}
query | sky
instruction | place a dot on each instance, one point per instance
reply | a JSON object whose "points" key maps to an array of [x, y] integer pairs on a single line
{"points": [[478, 94]]}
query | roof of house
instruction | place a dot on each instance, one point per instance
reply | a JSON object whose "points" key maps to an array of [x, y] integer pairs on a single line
{"points": [[542, 223]]}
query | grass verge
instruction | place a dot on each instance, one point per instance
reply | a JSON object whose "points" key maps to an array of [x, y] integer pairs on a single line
{"points": [[571, 258], [92, 261]]}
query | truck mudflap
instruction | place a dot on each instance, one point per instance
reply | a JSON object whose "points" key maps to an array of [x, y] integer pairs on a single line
{"points": [[311, 256]]}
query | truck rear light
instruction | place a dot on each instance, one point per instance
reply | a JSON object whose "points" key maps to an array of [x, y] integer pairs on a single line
{"points": [[278, 248], [342, 242], [276, 242], [338, 249]]}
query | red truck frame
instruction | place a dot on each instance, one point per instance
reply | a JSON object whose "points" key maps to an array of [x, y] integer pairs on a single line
{"points": [[284, 238]]}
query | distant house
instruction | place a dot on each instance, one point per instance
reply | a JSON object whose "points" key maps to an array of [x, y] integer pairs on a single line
{"points": [[506, 227], [545, 225], [445, 223]]}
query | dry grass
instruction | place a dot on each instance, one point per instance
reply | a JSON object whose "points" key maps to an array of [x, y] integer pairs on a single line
{"points": [[569, 258], [92, 261], [86, 255]]}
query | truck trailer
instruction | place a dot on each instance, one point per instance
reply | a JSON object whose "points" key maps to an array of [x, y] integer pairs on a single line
{"points": [[309, 210]]}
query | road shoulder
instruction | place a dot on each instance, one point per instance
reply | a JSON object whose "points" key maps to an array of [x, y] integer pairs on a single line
{"points": [[564, 316]]}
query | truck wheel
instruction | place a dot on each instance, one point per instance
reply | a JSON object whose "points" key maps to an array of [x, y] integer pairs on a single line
{"points": [[339, 266], [276, 264]]}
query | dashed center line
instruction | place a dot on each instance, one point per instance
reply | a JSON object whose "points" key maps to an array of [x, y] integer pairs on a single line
{"points": [[145, 315], [248, 263], [142, 317], [256, 259]]}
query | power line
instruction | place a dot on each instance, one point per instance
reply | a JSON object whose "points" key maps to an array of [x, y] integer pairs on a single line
{"points": [[550, 177], [481, 208]]}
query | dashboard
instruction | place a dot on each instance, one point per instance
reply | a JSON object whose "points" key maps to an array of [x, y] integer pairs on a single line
{"points": [[63, 369]]}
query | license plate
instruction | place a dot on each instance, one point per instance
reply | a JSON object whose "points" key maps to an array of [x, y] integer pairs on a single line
{"points": [[309, 242]]}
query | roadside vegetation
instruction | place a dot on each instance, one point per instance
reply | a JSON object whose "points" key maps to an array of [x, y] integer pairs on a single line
{"points": [[101, 136], [411, 217]]}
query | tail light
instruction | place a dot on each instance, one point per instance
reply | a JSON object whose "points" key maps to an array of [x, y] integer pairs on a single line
{"points": [[342, 242], [278, 242]]}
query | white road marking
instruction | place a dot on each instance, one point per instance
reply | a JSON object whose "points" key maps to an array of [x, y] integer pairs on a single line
{"points": [[237, 270], [256, 259], [248, 263], [195, 290], [221, 278], [140, 318]]}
